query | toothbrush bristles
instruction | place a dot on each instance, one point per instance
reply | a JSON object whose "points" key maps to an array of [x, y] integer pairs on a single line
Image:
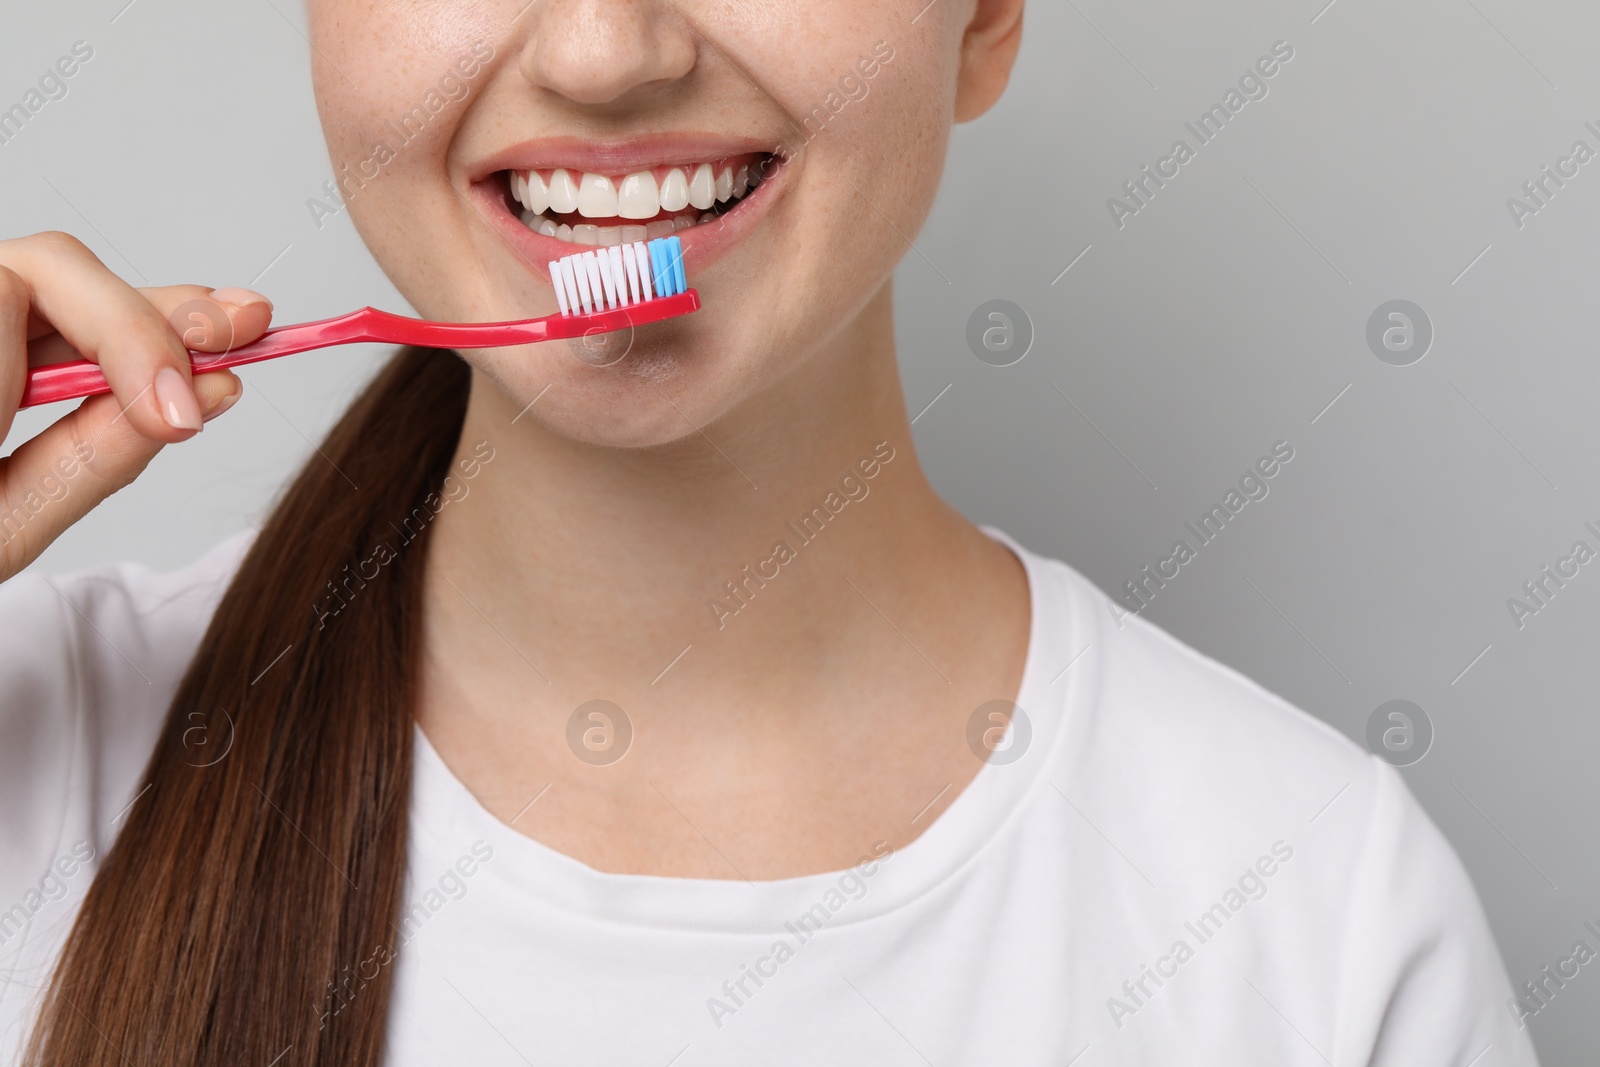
{"points": [[618, 276]]}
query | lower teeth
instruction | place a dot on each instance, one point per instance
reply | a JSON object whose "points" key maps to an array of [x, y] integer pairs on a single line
{"points": [[604, 236]]}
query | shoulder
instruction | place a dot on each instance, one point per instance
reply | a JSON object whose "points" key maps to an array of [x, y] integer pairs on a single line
{"points": [[1203, 737], [1170, 742], [82, 697], [1341, 896], [1196, 765]]}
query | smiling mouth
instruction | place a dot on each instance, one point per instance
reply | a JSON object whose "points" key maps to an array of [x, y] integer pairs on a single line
{"points": [[601, 210]]}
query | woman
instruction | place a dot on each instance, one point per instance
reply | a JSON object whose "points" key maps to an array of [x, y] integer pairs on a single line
{"points": [[641, 703]]}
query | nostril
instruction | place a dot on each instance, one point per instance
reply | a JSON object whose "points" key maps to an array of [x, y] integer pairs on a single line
{"points": [[598, 52]]}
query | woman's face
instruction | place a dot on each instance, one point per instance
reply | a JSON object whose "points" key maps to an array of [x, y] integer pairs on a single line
{"points": [[436, 113]]}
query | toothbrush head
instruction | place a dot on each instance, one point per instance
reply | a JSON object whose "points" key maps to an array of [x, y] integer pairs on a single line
{"points": [[619, 276]]}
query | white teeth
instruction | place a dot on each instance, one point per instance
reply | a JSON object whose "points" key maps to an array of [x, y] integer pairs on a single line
{"points": [[638, 197], [597, 197], [563, 193], [674, 190], [702, 190], [535, 193], [702, 187]]}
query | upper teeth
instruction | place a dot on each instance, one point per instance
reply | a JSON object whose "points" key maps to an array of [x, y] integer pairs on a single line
{"points": [[635, 196]]}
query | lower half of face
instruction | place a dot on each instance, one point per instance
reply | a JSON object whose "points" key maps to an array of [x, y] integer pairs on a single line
{"points": [[794, 150]]}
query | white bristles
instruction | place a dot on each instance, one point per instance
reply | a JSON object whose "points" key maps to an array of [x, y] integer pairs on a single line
{"points": [[612, 277], [592, 266], [569, 282], [555, 282], [581, 275], [619, 277], [606, 281], [631, 265], [642, 255]]}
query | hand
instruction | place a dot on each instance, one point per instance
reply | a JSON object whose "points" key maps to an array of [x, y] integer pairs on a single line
{"points": [[57, 301]]}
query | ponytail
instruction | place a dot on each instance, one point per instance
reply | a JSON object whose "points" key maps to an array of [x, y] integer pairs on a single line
{"points": [[239, 898]]}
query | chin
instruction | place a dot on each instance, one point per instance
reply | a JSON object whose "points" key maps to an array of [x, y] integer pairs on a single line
{"points": [[643, 388]]}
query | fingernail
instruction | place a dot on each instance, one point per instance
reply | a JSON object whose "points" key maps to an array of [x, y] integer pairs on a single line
{"points": [[176, 400], [225, 403], [239, 297]]}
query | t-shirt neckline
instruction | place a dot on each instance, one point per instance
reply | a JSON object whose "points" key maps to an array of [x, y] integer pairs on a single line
{"points": [[446, 815]]}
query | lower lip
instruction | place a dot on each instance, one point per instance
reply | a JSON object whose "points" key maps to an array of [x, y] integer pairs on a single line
{"points": [[703, 243]]}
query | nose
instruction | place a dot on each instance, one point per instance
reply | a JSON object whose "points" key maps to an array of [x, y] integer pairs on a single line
{"points": [[602, 51]]}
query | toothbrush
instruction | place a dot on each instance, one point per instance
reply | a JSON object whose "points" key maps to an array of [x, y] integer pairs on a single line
{"points": [[609, 288]]}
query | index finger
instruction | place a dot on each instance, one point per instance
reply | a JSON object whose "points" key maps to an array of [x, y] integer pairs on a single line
{"points": [[112, 324]]}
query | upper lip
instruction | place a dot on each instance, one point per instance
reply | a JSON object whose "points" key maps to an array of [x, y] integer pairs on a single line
{"points": [[619, 156]]}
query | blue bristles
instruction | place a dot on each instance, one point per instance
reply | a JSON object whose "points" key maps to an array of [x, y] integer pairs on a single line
{"points": [[666, 266]]}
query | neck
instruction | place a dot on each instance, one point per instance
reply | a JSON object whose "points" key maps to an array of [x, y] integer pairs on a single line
{"points": [[747, 542]]}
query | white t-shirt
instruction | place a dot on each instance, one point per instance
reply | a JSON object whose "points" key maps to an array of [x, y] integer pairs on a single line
{"points": [[1173, 867]]}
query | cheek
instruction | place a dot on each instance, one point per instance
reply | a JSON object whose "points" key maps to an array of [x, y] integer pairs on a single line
{"points": [[873, 171], [899, 134], [381, 70], [392, 96], [868, 149], [803, 54]]}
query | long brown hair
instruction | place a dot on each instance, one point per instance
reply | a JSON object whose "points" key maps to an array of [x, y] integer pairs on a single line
{"points": [[243, 890]]}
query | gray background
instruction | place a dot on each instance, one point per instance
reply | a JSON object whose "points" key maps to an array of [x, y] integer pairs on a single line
{"points": [[1224, 317]]}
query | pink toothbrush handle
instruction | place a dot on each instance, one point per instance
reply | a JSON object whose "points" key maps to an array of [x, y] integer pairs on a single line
{"points": [[81, 377]]}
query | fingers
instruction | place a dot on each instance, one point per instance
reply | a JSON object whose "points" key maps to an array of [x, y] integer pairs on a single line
{"points": [[54, 479], [14, 298], [126, 331], [205, 320], [107, 321], [57, 301], [211, 320], [217, 391], [58, 477]]}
